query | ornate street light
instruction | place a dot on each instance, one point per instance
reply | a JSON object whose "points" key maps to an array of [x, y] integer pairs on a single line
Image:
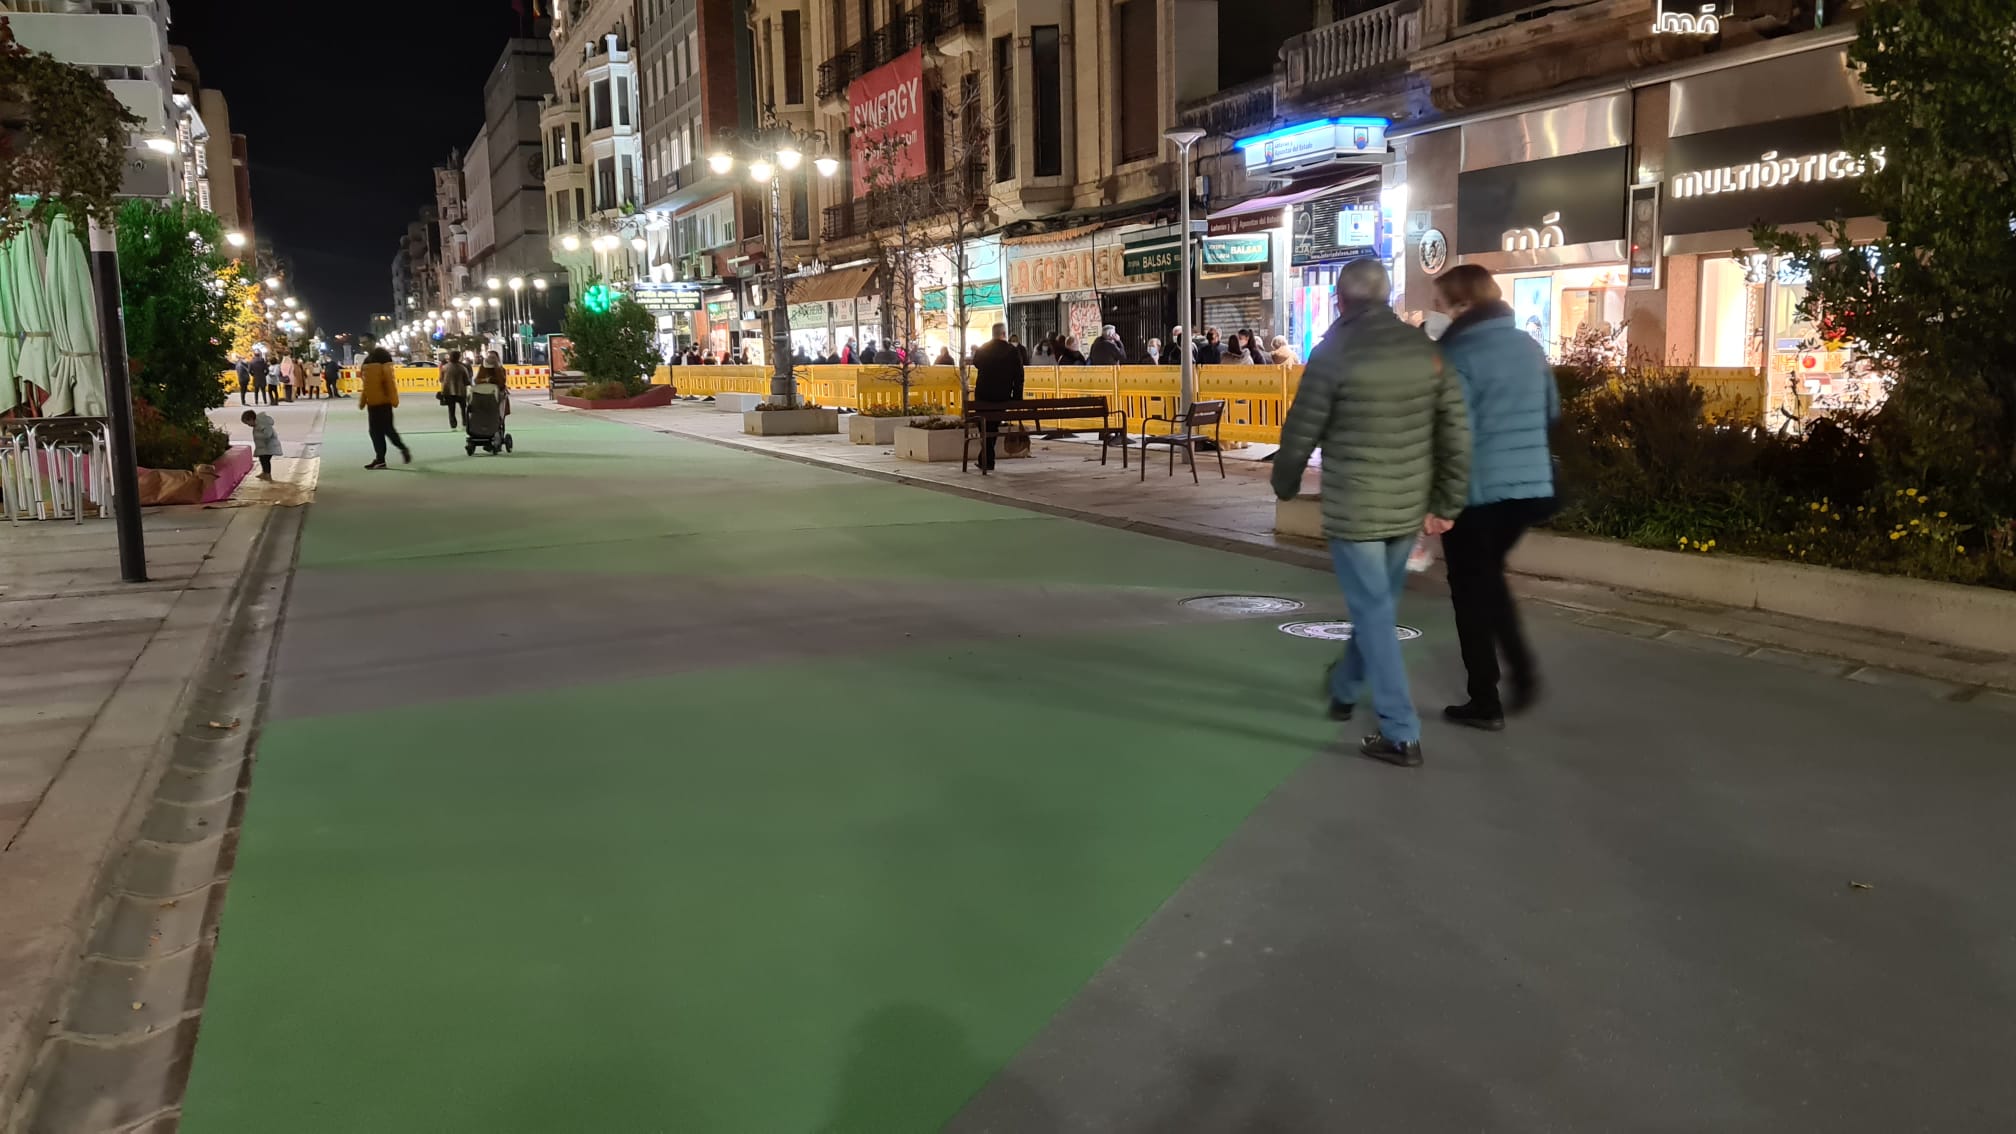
{"points": [[772, 150]]}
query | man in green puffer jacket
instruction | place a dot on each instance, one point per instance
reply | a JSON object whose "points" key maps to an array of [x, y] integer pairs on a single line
{"points": [[1389, 417]]}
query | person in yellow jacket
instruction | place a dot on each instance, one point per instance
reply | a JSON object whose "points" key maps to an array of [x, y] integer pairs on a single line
{"points": [[379, 397]]}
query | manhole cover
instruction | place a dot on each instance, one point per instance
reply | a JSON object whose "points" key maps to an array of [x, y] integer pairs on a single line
{"points": [[1337, 631], [1242, 604]]}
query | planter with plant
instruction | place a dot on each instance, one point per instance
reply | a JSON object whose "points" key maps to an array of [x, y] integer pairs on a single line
{"points": [[615, 346], [931, 439], [877, 425], [799, 419]]}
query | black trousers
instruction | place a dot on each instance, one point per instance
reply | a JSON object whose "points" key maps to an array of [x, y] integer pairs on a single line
{"points": [[379, 418], [454, 404], [1487, 621], [265, 465]]}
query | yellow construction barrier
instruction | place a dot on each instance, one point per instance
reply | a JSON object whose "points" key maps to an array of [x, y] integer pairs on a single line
{"points": [[415, 379]]}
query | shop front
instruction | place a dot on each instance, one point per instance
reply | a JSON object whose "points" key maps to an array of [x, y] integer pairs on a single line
{"points": [[985, 299], [1766, 144], [1074, 283], [1325, 233], [716, 322], [829, 308], [674, 306], [1541, 203]]}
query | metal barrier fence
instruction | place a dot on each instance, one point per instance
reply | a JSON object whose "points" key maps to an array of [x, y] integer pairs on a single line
{"points": [[415, 379], [55, 469]]}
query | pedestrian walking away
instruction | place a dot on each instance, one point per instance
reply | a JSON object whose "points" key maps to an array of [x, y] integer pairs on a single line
{"points": [[332, 377], [244, 370], [265, 440], [997, 377], [1389, 419], [379, 397], [260, 370], [455, 388], [1509, 388]]}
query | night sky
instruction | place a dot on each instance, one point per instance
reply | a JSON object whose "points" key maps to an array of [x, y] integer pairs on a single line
{"points": [[346, 109]]}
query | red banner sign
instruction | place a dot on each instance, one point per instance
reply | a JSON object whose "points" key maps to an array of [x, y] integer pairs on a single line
{"points": [[885, 107]]}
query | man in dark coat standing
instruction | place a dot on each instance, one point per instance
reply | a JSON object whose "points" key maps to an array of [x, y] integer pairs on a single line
{"points": [[1106, 349], [997, 377]]}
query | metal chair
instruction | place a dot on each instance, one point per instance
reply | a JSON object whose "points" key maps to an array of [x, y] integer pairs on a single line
{"points": [[1186, 432]]}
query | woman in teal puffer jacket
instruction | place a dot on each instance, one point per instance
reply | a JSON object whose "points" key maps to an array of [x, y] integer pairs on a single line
{"points": [[1509, 388]]}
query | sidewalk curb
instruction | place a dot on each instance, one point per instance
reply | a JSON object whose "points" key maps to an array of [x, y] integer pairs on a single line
{"points": [[81, 837]]}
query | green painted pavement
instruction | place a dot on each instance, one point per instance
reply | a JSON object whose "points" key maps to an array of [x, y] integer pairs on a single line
{"points": [[803, 896]]}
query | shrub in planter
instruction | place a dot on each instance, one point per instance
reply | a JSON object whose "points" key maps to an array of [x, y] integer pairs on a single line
{"points": [[163, 444], [899, 411], [604, 391]]}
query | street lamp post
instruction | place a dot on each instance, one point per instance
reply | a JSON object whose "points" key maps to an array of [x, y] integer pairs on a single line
{"points": [[517, 318], [1187, 390], [777, 149]]}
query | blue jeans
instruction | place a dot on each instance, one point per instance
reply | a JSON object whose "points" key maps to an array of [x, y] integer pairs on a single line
{"points": [[1372, 575]]}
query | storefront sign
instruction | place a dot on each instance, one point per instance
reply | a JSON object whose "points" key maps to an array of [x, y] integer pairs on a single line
{"points": [[1644, 256], [808, 314], [1044, 270], [1696, 21], [663, 298], [1237, 251], [1784, 172], [1153, 257], [1551, 203], [1335, 228], [885, 108], [978, 296], [840, 312], [1266, 220], [1308, 145]]}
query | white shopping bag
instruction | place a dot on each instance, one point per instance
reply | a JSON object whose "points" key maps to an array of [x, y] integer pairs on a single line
{"points": [[1423, 555]]}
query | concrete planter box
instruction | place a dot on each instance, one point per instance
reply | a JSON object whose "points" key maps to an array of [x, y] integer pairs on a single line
{"points": [[865, 430], [791, 422], [737, 403], [914, 444], [650, 399]]}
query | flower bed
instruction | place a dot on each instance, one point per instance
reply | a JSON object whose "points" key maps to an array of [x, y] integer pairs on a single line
{"points": [[650, 399]]}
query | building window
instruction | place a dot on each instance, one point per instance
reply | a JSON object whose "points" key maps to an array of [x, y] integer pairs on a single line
{"points": [[629, 182], [1046, 73], [574, 150], [801, 208], [1135, 75], [598, 106], [623, 102], [794, 59], [867, 12], [1004, 107], [934, 130], [766, 66], [605, 184]]}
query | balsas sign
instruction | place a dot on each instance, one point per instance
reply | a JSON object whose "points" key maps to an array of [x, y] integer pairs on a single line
{"points": [[885, 107]]}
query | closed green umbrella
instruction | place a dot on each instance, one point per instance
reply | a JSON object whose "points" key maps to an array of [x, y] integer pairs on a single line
{"points": [[25, 312], [10, 335], [77, 377]]}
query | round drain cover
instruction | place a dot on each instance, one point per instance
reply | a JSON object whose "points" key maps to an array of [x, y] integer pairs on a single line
{"points": [[1242, 604], [1338, 631]]}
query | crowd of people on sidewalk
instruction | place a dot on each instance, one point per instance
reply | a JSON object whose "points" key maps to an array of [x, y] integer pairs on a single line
{"points": [[1419, 438], [264, 381]]}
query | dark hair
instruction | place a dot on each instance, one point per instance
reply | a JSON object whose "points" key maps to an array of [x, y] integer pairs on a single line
{"points": [[1467, 284], [378, 354], [248, 415]]}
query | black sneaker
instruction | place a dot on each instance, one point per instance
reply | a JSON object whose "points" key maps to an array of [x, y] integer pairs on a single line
{"points": [[1341, 711], [1472, 715], [1379, 748], [406, 455], [1525, 694], [377, 464]]}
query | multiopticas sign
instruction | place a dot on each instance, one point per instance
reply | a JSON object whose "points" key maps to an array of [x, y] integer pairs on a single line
{"points": [[886, 109], [1770, 171]]}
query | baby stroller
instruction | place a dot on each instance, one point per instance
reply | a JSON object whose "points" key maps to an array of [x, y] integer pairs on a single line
{"points": [[489, 405]]}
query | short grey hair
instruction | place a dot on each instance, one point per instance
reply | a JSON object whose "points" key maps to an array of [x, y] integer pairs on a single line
{"points": [[1364, 281]]}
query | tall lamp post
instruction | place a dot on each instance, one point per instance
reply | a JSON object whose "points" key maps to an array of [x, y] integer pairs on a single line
{"points": [[517, 285], [1187, 395], [769, 153]]}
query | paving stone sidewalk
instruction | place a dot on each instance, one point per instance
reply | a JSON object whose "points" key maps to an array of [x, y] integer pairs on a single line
{"points": [[1236, 512], [96, 676]]}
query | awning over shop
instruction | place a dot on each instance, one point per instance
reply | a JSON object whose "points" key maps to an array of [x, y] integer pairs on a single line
{"points": [[1227, 220], [841, 283]]}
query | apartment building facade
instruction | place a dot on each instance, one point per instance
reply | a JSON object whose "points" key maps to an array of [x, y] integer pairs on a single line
{"points": [[592, 143]]}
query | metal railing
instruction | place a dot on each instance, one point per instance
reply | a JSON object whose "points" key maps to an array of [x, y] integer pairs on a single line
{"points": [[842, 69], [1351, 46], [957, 189], [56, 469], [944, 17]]}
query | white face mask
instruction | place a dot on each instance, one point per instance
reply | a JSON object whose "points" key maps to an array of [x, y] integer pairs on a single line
{"points": [[1435, 324]]}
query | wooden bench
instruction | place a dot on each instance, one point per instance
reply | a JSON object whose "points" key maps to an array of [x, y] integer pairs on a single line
{"points": [[983, 418]]}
